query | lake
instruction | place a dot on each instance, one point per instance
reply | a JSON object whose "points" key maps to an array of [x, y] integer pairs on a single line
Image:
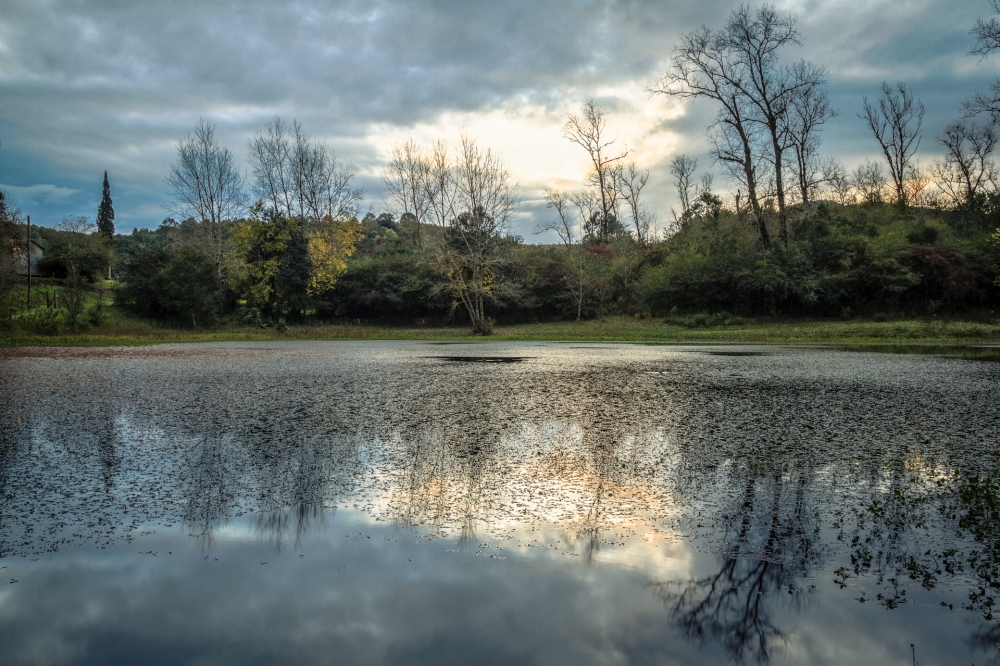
{"points": [[535, 503]]}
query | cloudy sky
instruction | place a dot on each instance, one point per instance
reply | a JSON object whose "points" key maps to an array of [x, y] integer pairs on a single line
{"points": [[92, 85]]}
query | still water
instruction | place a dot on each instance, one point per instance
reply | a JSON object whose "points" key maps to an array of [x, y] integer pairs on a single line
{"points": [[421, 503]]}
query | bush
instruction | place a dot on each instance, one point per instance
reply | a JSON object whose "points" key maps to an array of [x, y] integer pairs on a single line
{"points": [[181, 288], [43, 321]]}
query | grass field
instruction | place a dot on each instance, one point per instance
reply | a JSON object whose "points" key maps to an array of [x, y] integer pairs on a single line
{"points": [[121, 330]]}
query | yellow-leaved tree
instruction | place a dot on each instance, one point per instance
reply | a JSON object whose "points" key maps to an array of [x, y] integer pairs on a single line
{"points": [[330, 245]]}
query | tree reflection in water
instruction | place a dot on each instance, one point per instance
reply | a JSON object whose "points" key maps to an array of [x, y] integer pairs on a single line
{"points": [[771, 533], [779, 469]]}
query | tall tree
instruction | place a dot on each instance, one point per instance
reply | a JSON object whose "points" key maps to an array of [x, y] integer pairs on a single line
{"points": [[701, 67], [588, 132], [208, 187], [752, 39], [629, 182], [575, 275], [967, 170], [738, 66], [895, 121], [106, 211], [477, 240], [683, 168], [409, 181], [809, 110]]}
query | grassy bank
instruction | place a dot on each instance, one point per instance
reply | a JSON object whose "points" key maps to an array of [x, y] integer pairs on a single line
{"points": [[126, 331]]}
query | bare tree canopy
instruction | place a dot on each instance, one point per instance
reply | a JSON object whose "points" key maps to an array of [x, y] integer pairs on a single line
{"points": [[322, 182], [564, 226], [629, 182], [575, 275], [987, 33], [441, 185], [683, 168], [484, 183], [408, 182], [76, 224], [477, 239], [808, 111], [300, 177], [753, 39], [967, 169], [270, 156], [895, 121], [205, 182], [869, 179], [588, 132]]}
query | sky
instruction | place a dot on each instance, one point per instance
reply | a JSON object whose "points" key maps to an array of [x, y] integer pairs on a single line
{"points": [[88, 86]]}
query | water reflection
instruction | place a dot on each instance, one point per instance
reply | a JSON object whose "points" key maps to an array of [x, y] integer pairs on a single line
{"points": [[791, 469], [772, 537]]}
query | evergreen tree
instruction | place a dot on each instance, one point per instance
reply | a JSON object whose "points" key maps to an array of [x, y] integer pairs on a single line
{"points": [[106, 212]]}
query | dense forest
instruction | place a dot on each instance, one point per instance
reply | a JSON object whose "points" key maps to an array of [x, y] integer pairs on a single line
{"points": [[795, 233]]}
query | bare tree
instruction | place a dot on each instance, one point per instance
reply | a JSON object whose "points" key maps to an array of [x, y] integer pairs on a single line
{"points": [[702, 67], [407, 179], [301, 177], [588, 132], [322, 182], [588, 205], [76, 224], [752, 39], [208, 187], [204, 180], [967, 170], [737, 148], [477, 243], [571, 234], [683, 168], [271, 160], [842, 186], [895, 121], [441, 185], [987, 33], [809, 110], [630, 181], [917, 186], [869, 179]]}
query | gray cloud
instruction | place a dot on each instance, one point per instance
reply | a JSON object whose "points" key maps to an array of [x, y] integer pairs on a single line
{"points": [[88, 86]]}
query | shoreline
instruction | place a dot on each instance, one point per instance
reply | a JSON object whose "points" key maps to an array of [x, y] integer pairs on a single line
{"points": [[610, 329]]}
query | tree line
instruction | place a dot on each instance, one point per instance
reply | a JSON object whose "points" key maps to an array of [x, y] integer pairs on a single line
{"points": [[797, 234]]}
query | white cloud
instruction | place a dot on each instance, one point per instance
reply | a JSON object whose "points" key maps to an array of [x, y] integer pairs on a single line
{"points": [[38, 194], [363, 75]]}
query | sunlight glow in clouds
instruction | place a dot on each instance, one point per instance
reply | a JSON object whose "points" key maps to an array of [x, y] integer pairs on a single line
{"points": [[87, 86]]}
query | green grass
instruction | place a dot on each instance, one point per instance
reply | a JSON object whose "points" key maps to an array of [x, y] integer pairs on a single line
{"points": [[120, 329]]}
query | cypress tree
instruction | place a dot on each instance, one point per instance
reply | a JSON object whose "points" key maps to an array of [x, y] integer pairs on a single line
{"points": [[106, 212]]}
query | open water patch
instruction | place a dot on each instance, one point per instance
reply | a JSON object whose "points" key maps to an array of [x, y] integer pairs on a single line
{"points": [[484, 359]]}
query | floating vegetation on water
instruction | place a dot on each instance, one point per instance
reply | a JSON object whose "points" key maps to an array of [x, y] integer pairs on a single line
{"points": [[803, 473]]}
